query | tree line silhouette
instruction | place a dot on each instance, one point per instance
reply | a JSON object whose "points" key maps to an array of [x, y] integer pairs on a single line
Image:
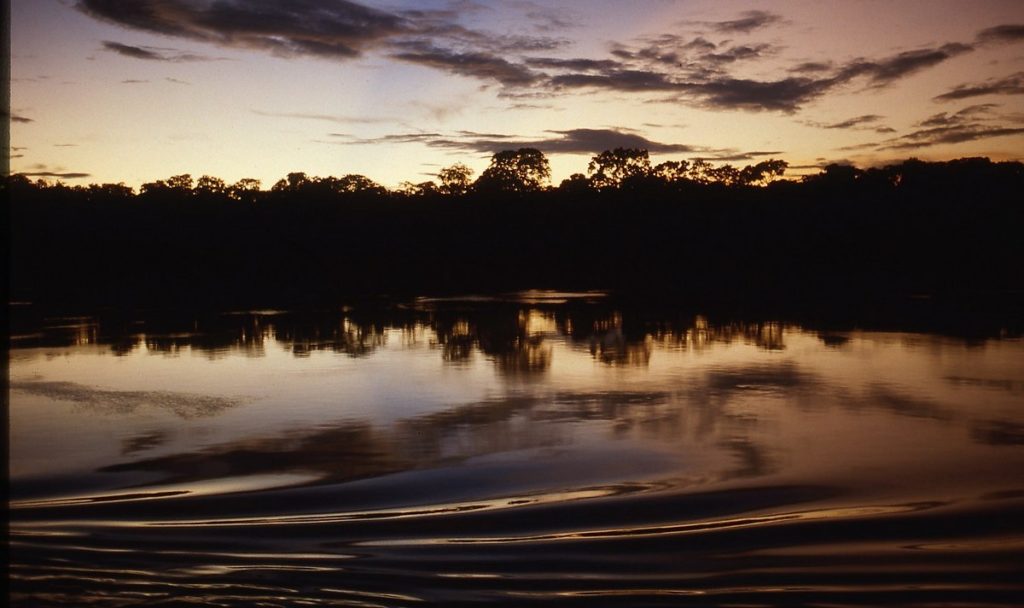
{"points": [[682, 227]]}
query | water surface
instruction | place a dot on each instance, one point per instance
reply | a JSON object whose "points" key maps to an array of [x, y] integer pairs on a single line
{"points": [[539, 449]]}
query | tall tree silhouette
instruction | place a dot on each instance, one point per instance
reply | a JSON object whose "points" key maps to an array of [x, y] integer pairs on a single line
{"points": [[612, 167], [522, 170]]}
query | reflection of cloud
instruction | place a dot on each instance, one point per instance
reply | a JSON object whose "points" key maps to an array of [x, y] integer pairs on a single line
{"points": [[184, 405], [998, 433], [894, 401], [759, 378], [141, 443]]}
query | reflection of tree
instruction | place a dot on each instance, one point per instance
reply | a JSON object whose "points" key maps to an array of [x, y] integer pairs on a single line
{"points": [[612, 347], [344, 336], [525, 356]]}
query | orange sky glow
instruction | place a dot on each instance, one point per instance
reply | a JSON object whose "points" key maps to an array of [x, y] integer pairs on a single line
{"points": [[106, 91]]}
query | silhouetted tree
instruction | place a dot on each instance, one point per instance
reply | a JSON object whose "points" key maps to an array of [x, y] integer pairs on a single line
{"points": [[577, 183], [210, 185], [763, 173], [424, 188], [244, 190], [522, 170], [455, 179], [358, 184], [294, 182], [672, 170], [611, 167], [726, 175]]}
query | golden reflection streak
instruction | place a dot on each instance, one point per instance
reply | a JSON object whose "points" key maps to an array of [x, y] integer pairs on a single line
{"points": [[324, 518], [373, 594], [676, 529], [210, 488], [868, 588]]}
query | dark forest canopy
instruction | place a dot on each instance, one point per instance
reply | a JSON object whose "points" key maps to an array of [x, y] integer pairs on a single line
{"points": [[683, 227], [527, 170]]}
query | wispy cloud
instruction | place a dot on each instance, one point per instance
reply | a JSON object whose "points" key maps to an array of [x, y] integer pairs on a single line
{"points": [[57, 174], [748, 22], [971, 123], [1010, 85], [21, 119], [483, 66], [1011, 32], [150, 53], [857, 122], [323, 117]]}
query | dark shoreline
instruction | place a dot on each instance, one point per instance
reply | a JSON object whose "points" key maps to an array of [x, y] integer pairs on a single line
{"points": [[927, 244]]}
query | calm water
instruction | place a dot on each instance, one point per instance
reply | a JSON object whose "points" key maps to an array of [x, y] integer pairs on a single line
{"points": [[536, 450]]}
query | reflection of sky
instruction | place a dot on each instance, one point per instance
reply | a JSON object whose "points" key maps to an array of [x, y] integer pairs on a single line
{"points": [[927, 408], [83, 108]]}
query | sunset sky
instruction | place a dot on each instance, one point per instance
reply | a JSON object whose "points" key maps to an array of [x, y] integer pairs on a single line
{"points": [[135, 91]]}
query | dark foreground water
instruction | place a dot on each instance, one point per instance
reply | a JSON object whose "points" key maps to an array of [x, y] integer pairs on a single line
{"points": [[536, 450]]}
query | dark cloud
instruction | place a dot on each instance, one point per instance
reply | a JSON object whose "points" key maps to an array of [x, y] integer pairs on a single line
{"points": [[850, 123], [56, 174], [1013, 32], [785, 95], [945, 119], [134, 81], [617, 80], [577, 65], [21, 119], [700, 44], [953, 134], [854, 122], [1011, 85], [742, 156], [971, 123], [748, 22], [886, 71], [325, 28], [150, 53], [333, 29], [476, 65], [598, 140], [570, 141], [695, 71], [811, 66]]}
